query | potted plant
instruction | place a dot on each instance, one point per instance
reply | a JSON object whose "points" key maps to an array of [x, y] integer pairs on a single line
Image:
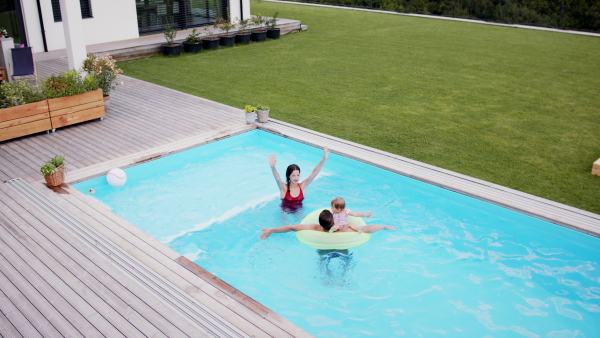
{"points": [[210, 41], [3, 32], [227, 39], [171, 48], [272, 31], [54, 171], [192, 43], [262, 112], [105, 70], [243, 34], [250, 114], [259, 33]]}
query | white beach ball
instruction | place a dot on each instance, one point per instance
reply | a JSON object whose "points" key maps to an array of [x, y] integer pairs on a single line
{"points": [[116, 177]]}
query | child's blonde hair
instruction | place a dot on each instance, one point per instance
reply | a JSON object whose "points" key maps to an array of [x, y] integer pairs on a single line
{"points": [[338, 203]]}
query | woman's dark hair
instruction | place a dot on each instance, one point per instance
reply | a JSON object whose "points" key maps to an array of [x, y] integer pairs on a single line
{"points": [[326, 219], [290, 169]]}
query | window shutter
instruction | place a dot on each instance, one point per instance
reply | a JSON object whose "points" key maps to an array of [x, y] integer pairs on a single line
{"points": [[86, 9]]}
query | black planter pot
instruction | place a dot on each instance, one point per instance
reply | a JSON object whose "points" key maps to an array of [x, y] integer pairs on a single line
{"points": [[211, 43], [192, 47], [171, 50], [273, 33], [227, 40], [258, 35], [242, 37]]}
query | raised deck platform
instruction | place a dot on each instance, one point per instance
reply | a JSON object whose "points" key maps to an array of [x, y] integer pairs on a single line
{"points": [[151, 44]]}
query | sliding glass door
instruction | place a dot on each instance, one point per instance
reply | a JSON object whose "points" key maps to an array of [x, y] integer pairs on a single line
{"points": [[154, 15]]}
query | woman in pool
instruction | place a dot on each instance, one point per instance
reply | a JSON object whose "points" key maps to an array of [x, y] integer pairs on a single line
{"points": [[292, 191], [325, 223]]}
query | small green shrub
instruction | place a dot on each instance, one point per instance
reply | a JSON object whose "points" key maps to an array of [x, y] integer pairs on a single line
{"points": [[170, 35], [224, 25], [272, 23], [243, 24], [67, 84], [258, 20], [17, 93], [58, 160], [51, 166], [48, 169], [193, 37]]}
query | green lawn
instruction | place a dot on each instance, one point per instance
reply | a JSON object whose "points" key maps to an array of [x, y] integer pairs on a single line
{"points": [[517, 107]]}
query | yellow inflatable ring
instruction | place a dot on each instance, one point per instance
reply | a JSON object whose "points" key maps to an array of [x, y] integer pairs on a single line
{"points": [[327, 241]]}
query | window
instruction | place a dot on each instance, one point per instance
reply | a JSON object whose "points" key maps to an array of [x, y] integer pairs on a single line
{"points": [[86, 9], [154, 15]]}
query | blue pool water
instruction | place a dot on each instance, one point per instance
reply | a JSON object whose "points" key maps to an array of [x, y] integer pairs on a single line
{"points": [[456, 266]]}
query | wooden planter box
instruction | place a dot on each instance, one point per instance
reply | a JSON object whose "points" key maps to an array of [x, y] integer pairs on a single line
{"points": [[50, 114], [65, 111], [24, 120]]}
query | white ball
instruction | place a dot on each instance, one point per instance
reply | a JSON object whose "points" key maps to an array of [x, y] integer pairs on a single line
{"points": [[116, 177]]}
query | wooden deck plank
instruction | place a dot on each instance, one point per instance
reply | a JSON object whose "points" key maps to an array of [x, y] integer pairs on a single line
{"points": [[75, 288], [133, 302], [21, 312], [52, 287], [28, 155], [13, 160], [9, 314], [51, 149], [22, 292]]}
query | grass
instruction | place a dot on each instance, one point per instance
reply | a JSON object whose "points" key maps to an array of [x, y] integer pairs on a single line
{"points": [[516, 107]]}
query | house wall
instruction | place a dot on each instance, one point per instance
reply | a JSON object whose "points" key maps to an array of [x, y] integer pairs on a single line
{"points": [[113, 20]]}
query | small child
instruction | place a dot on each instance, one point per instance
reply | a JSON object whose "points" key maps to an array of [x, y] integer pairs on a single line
{"points": [[340, 216]]}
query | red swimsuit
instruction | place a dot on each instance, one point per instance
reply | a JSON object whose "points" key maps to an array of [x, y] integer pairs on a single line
{"points": [[291, 204], [289, 197]]}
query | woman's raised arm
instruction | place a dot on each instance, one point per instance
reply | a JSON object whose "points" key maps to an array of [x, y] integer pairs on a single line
{"points": [[317, 169], [280, 184]]}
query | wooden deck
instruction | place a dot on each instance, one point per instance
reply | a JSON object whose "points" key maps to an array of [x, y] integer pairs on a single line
{"points": [[71, 267]]}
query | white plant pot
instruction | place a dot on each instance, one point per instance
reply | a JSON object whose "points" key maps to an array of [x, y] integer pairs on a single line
{"points": [[250, 118], [263, 116]]}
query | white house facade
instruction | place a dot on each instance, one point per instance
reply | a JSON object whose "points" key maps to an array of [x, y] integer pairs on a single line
{"points": [[39, 23]]}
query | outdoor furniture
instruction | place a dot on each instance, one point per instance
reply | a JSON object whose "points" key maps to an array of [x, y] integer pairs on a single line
{"points": [[23, 63]]}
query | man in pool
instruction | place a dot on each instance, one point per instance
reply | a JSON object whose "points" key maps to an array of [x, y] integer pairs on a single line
{"points": [[325, 223]]}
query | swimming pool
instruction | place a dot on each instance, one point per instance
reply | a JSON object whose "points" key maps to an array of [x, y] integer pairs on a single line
{"points": [[456, 266]]}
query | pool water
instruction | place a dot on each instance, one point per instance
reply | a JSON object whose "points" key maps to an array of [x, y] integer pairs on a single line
{"points": [[456, 266]]}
